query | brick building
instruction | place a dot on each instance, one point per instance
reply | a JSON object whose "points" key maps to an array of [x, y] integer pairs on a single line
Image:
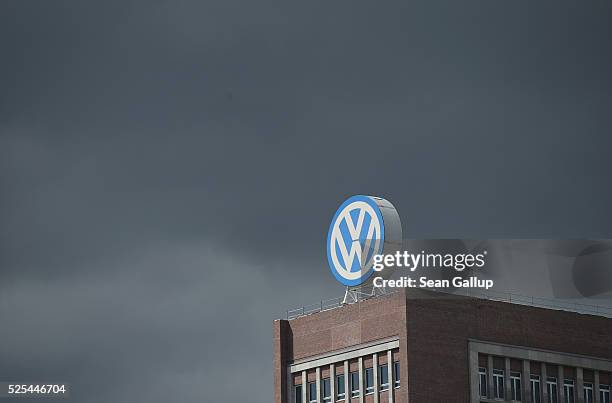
{"points": [[419, 347]]}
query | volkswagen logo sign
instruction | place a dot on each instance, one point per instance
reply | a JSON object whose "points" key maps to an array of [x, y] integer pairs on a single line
{"points": [[360, 229]]}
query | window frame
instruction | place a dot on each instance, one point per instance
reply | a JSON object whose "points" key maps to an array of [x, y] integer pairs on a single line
{"points": [[499, 390], [603, 391], [552, 381], [340, 396], [533, 380], [588, 386], [515, 386], [482, 371], [396, 374], [368, 384], [569, 385], [297, 396], [309, 389], [354, 392], [383, 386], [328, 398]]}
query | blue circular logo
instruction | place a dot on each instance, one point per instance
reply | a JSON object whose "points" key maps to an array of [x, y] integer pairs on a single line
{"points": [[356, 234]]}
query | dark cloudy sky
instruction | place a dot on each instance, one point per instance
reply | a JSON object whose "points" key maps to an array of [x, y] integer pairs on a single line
{"points": [[168, 169]]}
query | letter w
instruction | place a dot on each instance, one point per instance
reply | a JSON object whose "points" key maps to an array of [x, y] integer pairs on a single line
{"points": [[355, 231]]}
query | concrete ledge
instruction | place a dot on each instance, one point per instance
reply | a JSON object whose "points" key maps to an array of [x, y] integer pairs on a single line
{"points": [[345, 354], [547, 356]]}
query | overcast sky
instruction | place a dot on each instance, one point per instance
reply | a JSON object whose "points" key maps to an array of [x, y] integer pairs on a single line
{"points": [[168, 169]]}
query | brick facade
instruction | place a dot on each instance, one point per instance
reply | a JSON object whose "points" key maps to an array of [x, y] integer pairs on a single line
{"points": [[433, 331]]}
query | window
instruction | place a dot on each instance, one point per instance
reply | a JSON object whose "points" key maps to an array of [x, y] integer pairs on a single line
{"points": [[340, 387], [551, 387], [568, 388], [482, 381], [326, 386], [604, 393], [355, 384], [312, 392], [588, 392], [515, 386], [536, 394], [369, 380], [383, 377], [396, 374], [298, 394], [498, 384]]}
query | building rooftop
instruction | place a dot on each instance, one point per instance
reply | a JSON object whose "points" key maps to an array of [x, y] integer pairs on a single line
{"points": [[508, 297]]}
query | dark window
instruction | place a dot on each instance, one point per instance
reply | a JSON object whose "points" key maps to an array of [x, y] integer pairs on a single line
{"points": [[588, 392], [355, 384], [340, 391], [604, 393], [369, 380], [312, 392], [396, 374], [383, 377], [551, 385], [482, 381], [568, 387], [326, 386], [298, 394], [498, 384], [515, 386], [536, 394]]}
